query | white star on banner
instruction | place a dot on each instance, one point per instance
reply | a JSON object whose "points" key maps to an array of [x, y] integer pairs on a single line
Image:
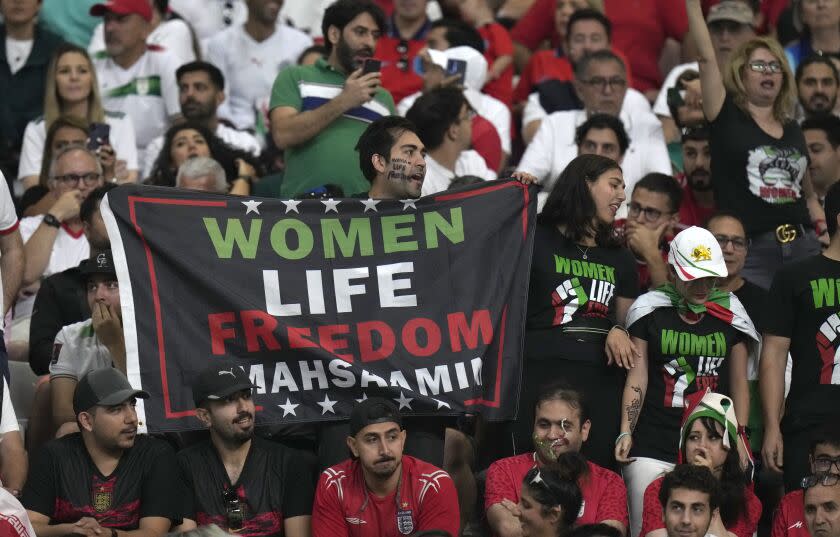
{"points": [[364, 396], [370, 204], [289, 408], [291, 205], [409, 203], [441, 404], [327, 405], [331, 205], [403, 401], [252, 206]]}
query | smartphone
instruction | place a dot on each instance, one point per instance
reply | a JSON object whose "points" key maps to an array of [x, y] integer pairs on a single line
{"points": [[98, 135], [371, 66], [457, 67]]}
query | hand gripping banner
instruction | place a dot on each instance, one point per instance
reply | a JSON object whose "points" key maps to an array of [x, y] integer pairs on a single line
{"points": [[325, 302]]}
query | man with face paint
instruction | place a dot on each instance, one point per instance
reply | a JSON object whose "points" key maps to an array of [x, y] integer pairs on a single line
{"points": [[698, 202], [238, 481], [392, 158], [321, 110], [561, 425]]}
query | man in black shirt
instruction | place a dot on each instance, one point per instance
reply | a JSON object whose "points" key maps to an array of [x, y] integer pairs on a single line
{"points": [[248, 485], [804, 309], [106, 481]]}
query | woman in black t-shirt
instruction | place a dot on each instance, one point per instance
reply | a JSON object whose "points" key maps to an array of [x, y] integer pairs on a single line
{"points": [[582, 284], [759, 156]]}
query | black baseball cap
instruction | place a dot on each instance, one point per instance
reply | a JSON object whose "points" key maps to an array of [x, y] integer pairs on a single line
{"points": [[104, 387], [373, 410], [103, 263], [220, 381]]}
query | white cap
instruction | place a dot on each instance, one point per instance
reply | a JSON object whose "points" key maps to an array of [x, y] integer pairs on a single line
{"points": [[476, 72], [695, 253]]}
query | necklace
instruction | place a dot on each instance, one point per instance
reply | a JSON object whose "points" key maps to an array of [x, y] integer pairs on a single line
{"points": [[583, 252]]}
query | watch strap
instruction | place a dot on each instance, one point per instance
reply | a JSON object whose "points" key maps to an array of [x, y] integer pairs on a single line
{"points": [[52, 221]]}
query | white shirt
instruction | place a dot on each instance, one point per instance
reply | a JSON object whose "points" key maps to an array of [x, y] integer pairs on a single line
{"points": [[438, 177], [8, 419], [634, 104], [239, 139], [8, 223], [207, 17], [250, 67], [173, 36], [553, 147], [660, 106], [490, 108], [122, 140], [17, 52], [77, 351], [147, 91]]}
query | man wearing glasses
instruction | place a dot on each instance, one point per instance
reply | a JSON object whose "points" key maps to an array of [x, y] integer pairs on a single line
{"points": [[822, 504], [790, 516], [247, 485]]}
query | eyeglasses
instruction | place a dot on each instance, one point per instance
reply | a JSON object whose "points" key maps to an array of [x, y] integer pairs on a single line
{"points": [[764, 67], [822, 465], [827, 480], [738, 243], [233, 509], [602, 83], [402, 50], [651, 214], [72, 179]]}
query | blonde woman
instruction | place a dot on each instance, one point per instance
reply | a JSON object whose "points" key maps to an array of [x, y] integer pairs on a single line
{"points": [[72, 89], [759, 156]]}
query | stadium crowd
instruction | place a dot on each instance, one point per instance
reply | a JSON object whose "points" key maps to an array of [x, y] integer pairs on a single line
{"points": [[681, 362]]}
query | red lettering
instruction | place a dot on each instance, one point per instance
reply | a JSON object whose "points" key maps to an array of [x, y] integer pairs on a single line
{"points": [[458, 329], [297, 338], [409, 336], [331, 343], [259, 325], [218, 333], [368, 352]]}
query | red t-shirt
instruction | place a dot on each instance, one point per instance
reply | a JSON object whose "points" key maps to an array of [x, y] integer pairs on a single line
{"points": [[543, 65], [639, 27], [344, 508], [789, 518], [652, 515], [692, 214], [604, 493], [398, 76], [497, 43]]}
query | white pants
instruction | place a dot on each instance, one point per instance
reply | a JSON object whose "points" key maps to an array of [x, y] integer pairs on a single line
{"points": [[637, 476]]}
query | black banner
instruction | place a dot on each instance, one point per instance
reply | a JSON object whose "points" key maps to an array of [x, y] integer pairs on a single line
{"points": [[325, 302]]}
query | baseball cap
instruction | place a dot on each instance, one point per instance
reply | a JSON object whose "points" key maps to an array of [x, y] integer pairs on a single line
{"points": [[373, 410], [103, 263], [219, 381], [695, 253], [731, 10], [105, 387], [123, 7]]}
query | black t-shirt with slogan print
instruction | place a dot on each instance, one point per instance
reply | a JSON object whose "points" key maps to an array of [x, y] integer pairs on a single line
{"points": [[682, 359], [755, 175], [572, 296], [804, 306]]}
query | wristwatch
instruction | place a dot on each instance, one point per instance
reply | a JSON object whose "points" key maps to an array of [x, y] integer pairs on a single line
{"points": [[51, 220]]}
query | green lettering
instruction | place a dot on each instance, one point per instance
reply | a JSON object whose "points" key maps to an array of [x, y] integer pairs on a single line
{"points": [[685, 343], [602, 272], [698, 345], [391, 233], [453, 230], [577, 270], [590, 270], [334, 234], [234, 235], [561, 264], [610, 274], [823, 291], [669, 342], [281, 245], [720, 344]]}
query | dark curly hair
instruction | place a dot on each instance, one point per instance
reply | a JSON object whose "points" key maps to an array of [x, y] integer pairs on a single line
{"points": [[164, 171]]}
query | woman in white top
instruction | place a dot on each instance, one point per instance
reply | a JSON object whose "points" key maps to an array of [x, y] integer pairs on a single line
{"points": [[72, 89]]}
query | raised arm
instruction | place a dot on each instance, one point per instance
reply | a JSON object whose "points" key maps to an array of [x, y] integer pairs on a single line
{"points": [[711, 80]]}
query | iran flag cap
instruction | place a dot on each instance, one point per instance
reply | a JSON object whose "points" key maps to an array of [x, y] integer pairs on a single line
{"points": [[695, 253]]}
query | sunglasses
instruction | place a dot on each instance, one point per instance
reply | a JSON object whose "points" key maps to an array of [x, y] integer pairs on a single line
{"points": [[234, 509]]}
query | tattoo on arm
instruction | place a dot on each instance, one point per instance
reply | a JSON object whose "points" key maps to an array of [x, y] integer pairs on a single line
{"points": [[634, 408]]}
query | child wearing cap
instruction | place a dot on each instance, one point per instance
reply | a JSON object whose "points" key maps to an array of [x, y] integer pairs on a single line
{"points": [[710, 436], [690, 337]]}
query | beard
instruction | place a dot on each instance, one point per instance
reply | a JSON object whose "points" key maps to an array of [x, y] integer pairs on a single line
{"points": [[347, 55], [700, 180], [384, 471], [197, 111], [819, 105]]}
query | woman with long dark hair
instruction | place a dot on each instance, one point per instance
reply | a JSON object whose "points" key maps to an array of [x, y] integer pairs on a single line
{"points": [[582, 284], [710, 437], [188, 139]]}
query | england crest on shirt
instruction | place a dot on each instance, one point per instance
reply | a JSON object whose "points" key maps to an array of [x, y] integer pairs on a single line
{"points": [[405, 522]]}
